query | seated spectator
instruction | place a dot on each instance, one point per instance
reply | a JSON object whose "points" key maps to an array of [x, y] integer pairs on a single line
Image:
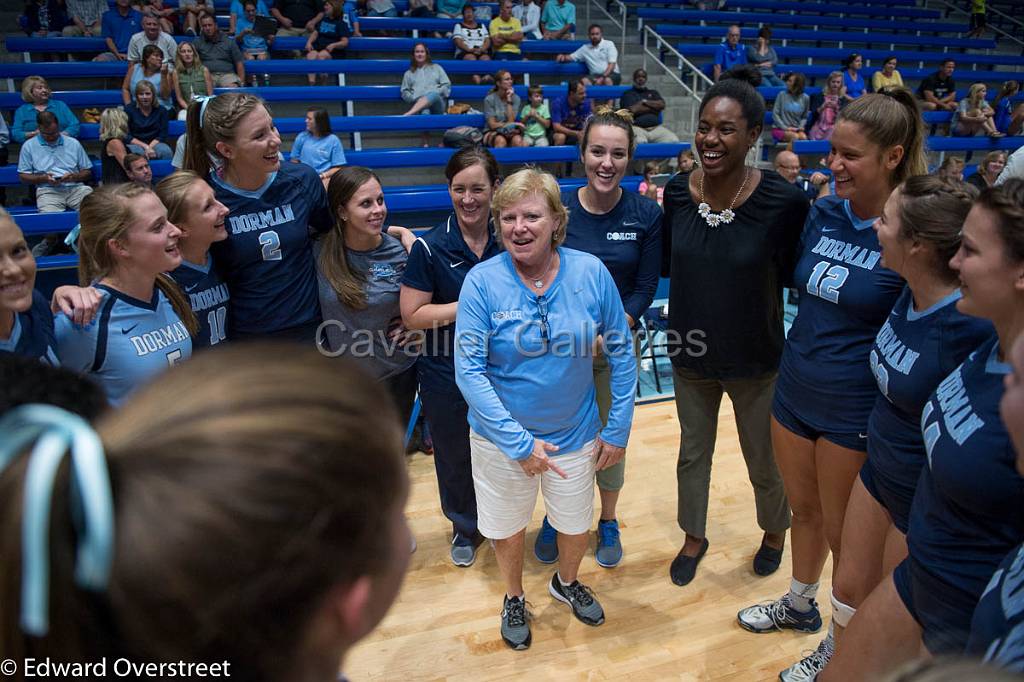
{"points": [[536, 119], [649, 186], [238, 12], [647, 106], [558, 20], [601, 57], [152, 35], [988, 170], [449, 9], [190, 79], [1014, 167], [153, 69], [952, 170], [853, 83], [472, 42], [84, 17], [114, 140], [220, 54], [729, 54], [421, 9], [166, 16], [569, 113], [500, 108], [1009, 118], [119, 24], [506, 33], [36, 92], [763, 56], [974, 116], [686, 161], [380, 8], [791, 110], [57, 165], [528, 15], [888, 77], [254, 46], [147, 124], [330, 38], [296, 17], [190, 11], [45, 18], [352, 18], [5, 139], [425, 86], [937, 92], [825, 107], [136, 167], [317, 146], [787, 164]]}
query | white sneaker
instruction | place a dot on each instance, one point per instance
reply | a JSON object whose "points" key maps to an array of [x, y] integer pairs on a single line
{"points": [[807, 668]]}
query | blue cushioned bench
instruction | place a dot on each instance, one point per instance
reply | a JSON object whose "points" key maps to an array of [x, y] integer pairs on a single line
{"points": [[717, 34], [877, 57], [807, 8], [929, 117], [682, 15], [935, 144], [822, 71]]}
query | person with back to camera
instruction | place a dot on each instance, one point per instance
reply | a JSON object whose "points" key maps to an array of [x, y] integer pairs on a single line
{"points": [[826, 391], [526, 324], [1009, 115], [307, 498], [729, 237]]}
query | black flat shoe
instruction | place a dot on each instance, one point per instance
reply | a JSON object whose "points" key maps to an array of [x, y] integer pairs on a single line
{"points": [[685, 567], [767, 559]]}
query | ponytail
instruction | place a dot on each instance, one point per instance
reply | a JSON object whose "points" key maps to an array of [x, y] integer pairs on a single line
{"points": [[196, 158], [889, 118]]}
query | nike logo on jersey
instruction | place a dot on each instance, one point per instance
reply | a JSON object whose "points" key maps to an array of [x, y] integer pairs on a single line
{"points": [[192, 288], [847, 253], [128, 330], [631, 222], [828, 229], [862, 435], [455, 265]]}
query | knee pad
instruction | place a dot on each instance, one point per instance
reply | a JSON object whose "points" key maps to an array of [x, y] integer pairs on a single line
{"points": [[841, 613]]}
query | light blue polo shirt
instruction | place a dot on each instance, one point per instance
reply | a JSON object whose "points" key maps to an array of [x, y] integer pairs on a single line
{"points": [[64, 156]]}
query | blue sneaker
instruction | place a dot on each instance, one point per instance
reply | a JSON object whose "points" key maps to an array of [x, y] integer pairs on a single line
{"points": [[546, 546], [609, 549]]}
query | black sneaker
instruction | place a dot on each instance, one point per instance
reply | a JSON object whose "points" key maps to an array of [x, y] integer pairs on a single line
{"points": [[580, 599], [515, 629]]}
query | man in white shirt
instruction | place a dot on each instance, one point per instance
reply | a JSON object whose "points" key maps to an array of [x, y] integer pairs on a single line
{"points": [[528, 15], [152, 35], [601, 57], [1014, 167]]}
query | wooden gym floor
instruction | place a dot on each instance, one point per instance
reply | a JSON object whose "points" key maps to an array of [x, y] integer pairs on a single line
{"points": [[444, 625]]}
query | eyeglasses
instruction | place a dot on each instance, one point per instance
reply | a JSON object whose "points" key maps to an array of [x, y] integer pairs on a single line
{"points": [[542, 308]]}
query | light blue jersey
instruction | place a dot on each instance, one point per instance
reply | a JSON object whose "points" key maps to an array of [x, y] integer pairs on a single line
{"points": [[128, 343]]}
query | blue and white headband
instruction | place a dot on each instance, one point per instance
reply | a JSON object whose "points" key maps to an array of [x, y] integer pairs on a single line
{"points": [[57, 432], [205, 99]]}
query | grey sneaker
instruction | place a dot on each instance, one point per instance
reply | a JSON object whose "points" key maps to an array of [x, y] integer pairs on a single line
{"points": [[807, 668], [515, 629], [580, 599], [779, 614]]}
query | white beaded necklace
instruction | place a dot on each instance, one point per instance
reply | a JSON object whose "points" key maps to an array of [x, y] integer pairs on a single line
{"points": [[725, 217]]}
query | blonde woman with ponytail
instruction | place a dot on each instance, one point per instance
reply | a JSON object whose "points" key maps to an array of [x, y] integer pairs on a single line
{"points": [[144, 323]]}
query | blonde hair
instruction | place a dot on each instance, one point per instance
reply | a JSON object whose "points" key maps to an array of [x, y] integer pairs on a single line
{"points": [[974, 95], [531, 181], [29, 83], [147, 85], [889, 118], [105, 215], [113, 124], [219, 124], [197, 61], [172, 192]]}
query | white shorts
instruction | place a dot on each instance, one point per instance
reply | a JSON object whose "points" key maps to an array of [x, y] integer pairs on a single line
{"points": [[506, 495]]}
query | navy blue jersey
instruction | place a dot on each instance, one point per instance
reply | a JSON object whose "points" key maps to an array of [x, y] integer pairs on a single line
{"points": [[32, 335], [967, 513], [845, 296], [627, 240], [997, 629], [267, 259], [129, 342], [439, 262], [208, 295], [913, 352]]}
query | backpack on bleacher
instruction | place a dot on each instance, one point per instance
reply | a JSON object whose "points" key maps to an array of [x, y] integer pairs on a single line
{"points": [[462, 136]]}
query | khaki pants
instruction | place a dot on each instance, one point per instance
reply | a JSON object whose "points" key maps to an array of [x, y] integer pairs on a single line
{"points": [[655, 134]]}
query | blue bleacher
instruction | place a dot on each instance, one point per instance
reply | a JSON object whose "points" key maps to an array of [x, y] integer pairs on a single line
{"points": [[682, 15], [836, 55], [717, 34], [801, 7], [935, 144]]}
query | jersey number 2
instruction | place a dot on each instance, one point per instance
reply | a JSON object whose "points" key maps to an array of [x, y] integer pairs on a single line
{"points": [[271, 244], [825, 280]]}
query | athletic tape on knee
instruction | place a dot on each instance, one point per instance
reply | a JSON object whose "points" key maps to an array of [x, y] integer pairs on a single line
{"points": [[841, 613]]}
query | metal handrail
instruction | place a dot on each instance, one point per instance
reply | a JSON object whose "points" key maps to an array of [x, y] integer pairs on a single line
{"points": [[619, 22], [697, 75], [996, 29]]}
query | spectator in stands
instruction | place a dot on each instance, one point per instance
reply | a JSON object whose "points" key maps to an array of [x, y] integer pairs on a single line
{"points": [[422, 9], [791, 110], [119, 25], [528, 15], [646, 106], [152, 35], [601, 57], [500, 108], [190, 11], [938, 91], [425, 86], [153, 69], [763, 56], [729, 54], [318, 146], [450, 9], [472, 41], [85, 17], [570, 113], [536, 117], [977, 19], [853, 83], [220, 54], [114, 140], [826, 106], [238, 12], [685, 162], [296, 17], [506, 34], [330, 38], [166, 16], [1009, 118], [974, 116], [45, 18], [5, 139], [1014, 167], [787, 164], [36, 92], [988, 170], [558, 20], [57, 165], [147, 124], [380, 8], [254, 46], [136, 167], [952, 170], [888, 77], [190, 79]]}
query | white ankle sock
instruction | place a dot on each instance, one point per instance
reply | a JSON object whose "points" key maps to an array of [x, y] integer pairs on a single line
{"points": [[802, 594], [562, 582]]}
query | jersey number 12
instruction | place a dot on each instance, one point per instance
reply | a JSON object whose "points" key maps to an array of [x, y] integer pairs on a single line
{"points": [[826, 279]]}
